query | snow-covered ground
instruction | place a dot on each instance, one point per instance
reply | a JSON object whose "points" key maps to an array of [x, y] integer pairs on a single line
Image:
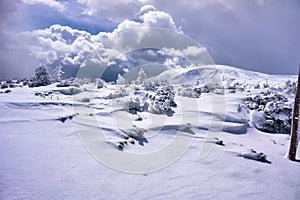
{"points": [[125, 142]]}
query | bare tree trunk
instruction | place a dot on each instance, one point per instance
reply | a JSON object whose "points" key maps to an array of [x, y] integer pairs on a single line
{"points": [[294, 132]]}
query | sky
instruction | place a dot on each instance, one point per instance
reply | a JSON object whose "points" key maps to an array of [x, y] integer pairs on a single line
{"points": [[258, 35]]}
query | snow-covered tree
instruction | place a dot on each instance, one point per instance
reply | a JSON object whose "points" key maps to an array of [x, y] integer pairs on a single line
{"points": [[58, 72], [142, 76], [266, 84], [42, 77], [100, 83], [121, 80]]}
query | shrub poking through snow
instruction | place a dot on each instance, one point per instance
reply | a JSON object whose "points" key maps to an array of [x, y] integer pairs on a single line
{"points": [[120, 144], [44, 94], [5, 92], [64, 118], [4, 85], [253, 155]]}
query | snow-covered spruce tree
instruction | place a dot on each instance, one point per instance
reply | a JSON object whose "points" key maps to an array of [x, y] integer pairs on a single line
{"points": [[58, 72], [121, 80], [41, 78], [142, 76]]}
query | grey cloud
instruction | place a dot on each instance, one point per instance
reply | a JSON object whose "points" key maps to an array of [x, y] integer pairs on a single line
{"points": [[259, 35]]}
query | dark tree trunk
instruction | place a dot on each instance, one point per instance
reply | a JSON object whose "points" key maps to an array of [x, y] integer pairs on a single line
{"points": [[294, 131]]}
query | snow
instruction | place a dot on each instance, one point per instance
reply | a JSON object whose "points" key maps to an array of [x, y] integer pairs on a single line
{"points": [[207, 148]]}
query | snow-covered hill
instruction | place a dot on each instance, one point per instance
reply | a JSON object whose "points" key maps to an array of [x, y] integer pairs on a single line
{"points": [[227, 75]]}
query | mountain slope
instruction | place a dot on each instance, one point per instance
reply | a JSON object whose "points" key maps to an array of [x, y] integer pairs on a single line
{"points": [[226, 75]]}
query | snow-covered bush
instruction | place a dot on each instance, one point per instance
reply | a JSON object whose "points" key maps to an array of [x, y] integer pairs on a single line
{"points": [[265, 85], [289, 87], [121, 92], [76, 82], [237, 86], [65, 83], [135, 132], [272, 112], [5, 92], [260, 101], [24, 81], [257, 86], [150, 85], [163, 100], [41, 78], [121, 80], [158, 102], [212, 88], [4, 85], [189, 91], [135, 105], [100, 83], [85, 100]]}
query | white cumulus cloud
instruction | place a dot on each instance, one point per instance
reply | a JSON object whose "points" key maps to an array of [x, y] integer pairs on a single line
{"points": [[116, 10], [73, 47]]}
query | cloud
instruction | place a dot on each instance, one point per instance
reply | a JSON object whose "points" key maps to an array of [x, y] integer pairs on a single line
{"points": [[259, 35], [71, 46], [7, 6], [150, 29], [58, 42], [51, 3], [158, 19], [145, 9], [193, 54], [64, 42], [116, 11]]}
